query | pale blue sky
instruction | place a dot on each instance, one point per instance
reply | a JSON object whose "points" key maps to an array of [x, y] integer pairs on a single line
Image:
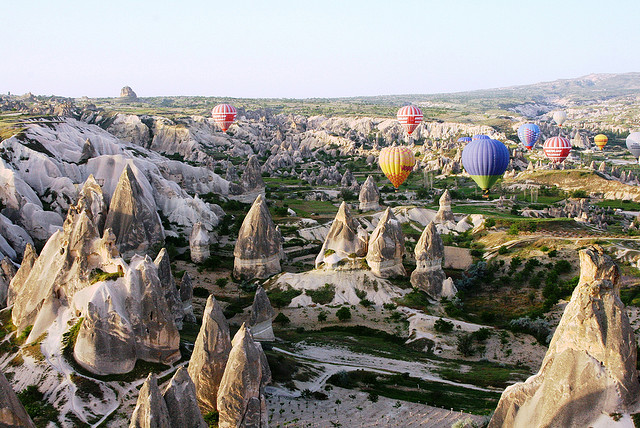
{"points": [[300, 49]]}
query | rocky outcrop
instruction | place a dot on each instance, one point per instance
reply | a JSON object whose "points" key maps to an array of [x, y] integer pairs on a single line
{"points": [[181, 401], [186, 296], [258, 249], [369, 195], [126, 320], [345, 240], [12, 412], [127, 93], [7, 272], [28, 260], [132, 217], [151, 410], [209, 357], [444, 213], [167, 282], [428, 275], [261, 315], [241, 400], [199, 243], [386, 247], [92, 201], [252, 176], [590, 367], [232, 174]]}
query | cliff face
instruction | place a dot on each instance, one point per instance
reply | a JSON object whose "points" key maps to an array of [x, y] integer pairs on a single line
{"points": [[590, 367], [386, 247]]}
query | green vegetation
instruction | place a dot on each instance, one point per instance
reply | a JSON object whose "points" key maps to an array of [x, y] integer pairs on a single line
{"points": [[281, 298], [322, 295], [343, 314], [97, 275], [282, 319], [41, 411], [443, 326], [415, 299]]}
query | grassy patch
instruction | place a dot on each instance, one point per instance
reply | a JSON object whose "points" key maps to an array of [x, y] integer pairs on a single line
{"points": [[41, 411], [281, 298], [97, 275], [322, 295], [415, 299], [485, 374]]}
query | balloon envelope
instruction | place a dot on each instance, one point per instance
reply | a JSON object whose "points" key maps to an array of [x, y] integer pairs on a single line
{"points": [[480, 137], [600, 140], [529, 134], [396, 163], [485, 160], [559, 117], [409, 117], [224, 115], [556, 149], [633, 144], [464, 139]]}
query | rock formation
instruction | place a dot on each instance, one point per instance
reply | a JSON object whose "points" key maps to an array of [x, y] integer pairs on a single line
{"points": [[12, 412], [386, 247], [167, 282], [252, 175], [232, 174], [444, 213], [261, 315], [186, 296], [151, 410], [428, 275], [589, 370], [88, 152], [132, 217], [22, 274], [241, 401], [7, 272], [181, 401], [210, 354], [345, 240], [127, 93], [91, 200], [258, 250], [369, 195], [199, 243]]}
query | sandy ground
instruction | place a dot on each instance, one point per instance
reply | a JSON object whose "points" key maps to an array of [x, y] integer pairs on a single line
{"points": [[350, 408]]}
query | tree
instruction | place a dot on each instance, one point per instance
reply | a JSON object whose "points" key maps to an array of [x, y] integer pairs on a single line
{"points": [[465, 344], [282, 319], [344, 313]]}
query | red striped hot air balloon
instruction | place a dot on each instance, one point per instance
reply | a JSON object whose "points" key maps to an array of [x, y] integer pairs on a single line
{"points": [[224, 115], [410, 117], [556, 149]]}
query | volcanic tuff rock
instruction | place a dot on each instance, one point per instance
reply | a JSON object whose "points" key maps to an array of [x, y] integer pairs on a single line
{"points": [[88, 152], [261, 315], [199, 243], [7, 272], [241, 401], [444, 213], [369, 195], [181, 401], [127, 92], [345, 239], [171, 293], [22, 274], [252, 175], [186, 296], [428, 275], [386, 247], [132, 217], [12, 412], [126, 320], [151, 410], [232, 174], [91, 199], [590, 367], [258, 250], [210, 354]]}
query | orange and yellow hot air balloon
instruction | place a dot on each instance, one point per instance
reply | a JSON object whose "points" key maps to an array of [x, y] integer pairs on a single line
{"points": [[600, 140], [396, 163]]}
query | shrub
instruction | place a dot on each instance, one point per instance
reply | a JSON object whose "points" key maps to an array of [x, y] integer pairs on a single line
{"points": [[281, 298], [222, 282], [465, 344], [562, 266], [282, 319], [366, 303], [344, 313], [503, 250], [482, 334], [443, 326], [322, 295], [538, 328], [373, 397], [322, 316], [40, 410], [513, 230], [200, 292], [552, 253], [489, 223]]}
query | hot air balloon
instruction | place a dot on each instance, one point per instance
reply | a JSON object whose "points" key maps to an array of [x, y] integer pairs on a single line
{"points": [[480, 137], [224, 115], [464, 139], [396, 163], [633, 144], [559, 116], [485, 160], [556, 149], [529, 134], [600, 140], [410, 117]]}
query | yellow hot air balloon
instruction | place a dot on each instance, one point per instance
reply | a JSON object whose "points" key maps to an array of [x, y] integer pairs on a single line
{"points": [[600, 140], [396, 163]]}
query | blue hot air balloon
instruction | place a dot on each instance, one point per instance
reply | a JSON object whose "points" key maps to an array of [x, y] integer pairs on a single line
{"points": [[464, 139], [485, 160], [480, 137], [529, 134]]}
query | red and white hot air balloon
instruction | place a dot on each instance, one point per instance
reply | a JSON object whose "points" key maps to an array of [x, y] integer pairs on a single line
{"points": [[224, 115], [410, 117], [556, 149]]}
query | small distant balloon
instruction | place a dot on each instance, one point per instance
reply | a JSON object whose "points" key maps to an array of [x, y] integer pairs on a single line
{"points": [[600, 141], [633, 144], [559, 117], [529, 134], [556, 149], [464, 140], [224, 115], [396, 163], [485, 160], [410, 117]]}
